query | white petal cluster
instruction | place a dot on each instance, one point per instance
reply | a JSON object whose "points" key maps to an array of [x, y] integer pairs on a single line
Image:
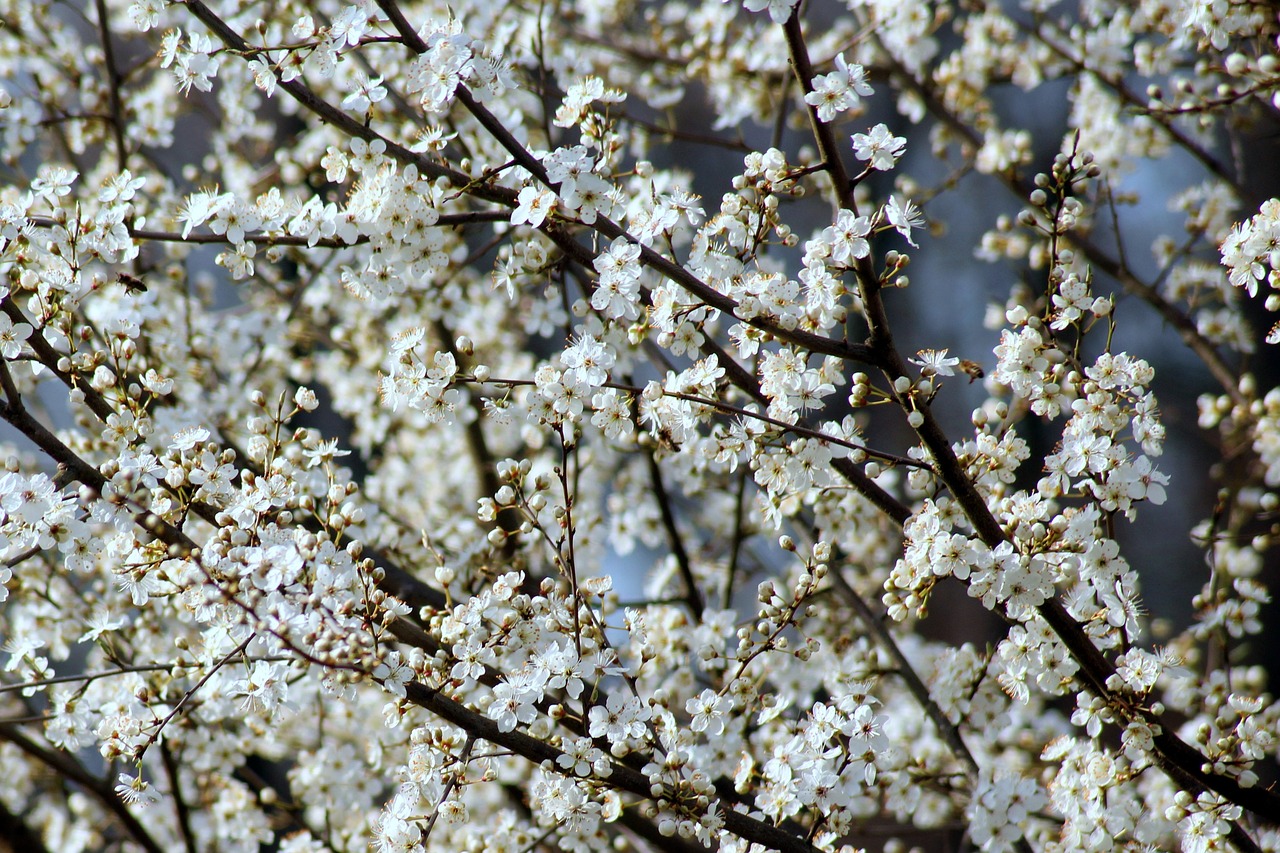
{"points": [[581, 426]]}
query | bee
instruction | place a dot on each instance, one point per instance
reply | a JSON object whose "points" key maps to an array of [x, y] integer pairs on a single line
{"points": [[667, 440], [131, 283], [972, 368]]}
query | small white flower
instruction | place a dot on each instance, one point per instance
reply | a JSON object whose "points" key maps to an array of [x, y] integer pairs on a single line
{"points": [[135, 792], [879, 146], [535, 204], [934, 362], [904, 216], [779, 10], [368, 91], [12, 335]]}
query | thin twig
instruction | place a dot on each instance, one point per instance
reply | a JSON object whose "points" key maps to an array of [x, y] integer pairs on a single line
{"points": [[114, 83], [693, 594], [101, 790]]}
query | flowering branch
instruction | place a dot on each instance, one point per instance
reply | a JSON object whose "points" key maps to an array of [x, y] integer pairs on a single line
{"points": [[507, 410], [1179, 760], [100, 790]]}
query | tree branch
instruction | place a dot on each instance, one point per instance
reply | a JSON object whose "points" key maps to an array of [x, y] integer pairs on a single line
{"points": [[101, 790]]}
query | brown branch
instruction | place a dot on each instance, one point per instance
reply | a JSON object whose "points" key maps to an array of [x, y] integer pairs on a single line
{"points": [[17, 835], [880, 344], [114, 83], [823, 135], [1183, 763], [874, 623], [1163, 119], [87, 677], [1224, 373], [445, 220], [802, 428], [181, 810], [693, 595], [608, 228], [622, 776], [101, 789], [815, 343], [688, 136], [393, 579], [50, 357], [882, 339]]}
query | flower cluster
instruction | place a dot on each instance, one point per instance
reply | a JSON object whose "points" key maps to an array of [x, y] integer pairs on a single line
{"points": [[522, 426], [1252, 254]]}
